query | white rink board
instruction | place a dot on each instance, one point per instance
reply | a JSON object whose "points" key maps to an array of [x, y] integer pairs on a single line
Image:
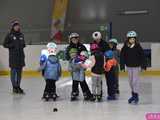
{"points": [[32, 53]]}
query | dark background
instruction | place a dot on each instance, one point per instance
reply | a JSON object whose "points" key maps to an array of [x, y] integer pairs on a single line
{"points": [[84, 17]]}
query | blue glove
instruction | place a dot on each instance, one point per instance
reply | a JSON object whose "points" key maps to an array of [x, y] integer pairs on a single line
{"points": [[43, 58], [122, 68]]}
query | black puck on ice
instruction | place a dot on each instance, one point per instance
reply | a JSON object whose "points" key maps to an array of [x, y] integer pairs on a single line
{"points": [[55, 109]]}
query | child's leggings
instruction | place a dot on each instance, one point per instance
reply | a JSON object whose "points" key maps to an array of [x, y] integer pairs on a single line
{"points": [[134, 78], [96, 85]]}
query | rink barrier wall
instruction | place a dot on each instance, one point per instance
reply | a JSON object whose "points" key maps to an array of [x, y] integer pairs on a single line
{"points": [[32, 53]]}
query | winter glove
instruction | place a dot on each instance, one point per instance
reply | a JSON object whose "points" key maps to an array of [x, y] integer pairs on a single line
{"points": [[122, 68]]}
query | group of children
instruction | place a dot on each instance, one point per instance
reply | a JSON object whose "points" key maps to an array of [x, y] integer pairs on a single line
{"points": [[104, 63], [104, 59]]}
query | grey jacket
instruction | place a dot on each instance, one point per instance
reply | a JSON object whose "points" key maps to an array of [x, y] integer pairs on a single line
{"points": [[77, 72]]}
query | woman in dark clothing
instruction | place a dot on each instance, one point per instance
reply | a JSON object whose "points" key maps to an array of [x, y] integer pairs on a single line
{"points": [[15, 43]]}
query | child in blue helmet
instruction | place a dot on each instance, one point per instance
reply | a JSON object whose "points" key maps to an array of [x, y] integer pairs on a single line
{"points": [[110, 74]]}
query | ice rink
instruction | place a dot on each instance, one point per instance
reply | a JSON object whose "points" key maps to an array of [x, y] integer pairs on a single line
{"points": [[31, 107]]}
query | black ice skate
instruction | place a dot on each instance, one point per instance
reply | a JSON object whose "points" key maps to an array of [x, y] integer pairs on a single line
{"points": [[15, 90], [20, 91], [134, 99], [74, 96], [99, 98], [46, 98], [53, 96]]}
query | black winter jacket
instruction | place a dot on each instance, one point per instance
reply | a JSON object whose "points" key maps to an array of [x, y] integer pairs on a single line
{"points": [[80, 47], [99, 63], [14, 41], [132, 57]]}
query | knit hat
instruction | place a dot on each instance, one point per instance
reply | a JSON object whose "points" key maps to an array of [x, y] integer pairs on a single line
{"points": [[14, 23]]}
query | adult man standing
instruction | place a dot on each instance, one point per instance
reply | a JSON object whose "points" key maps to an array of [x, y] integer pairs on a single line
{"points": [[15, 43]]}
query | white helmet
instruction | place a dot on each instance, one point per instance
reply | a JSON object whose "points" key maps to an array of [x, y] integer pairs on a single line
{"points": [[131, 34], [113, 40], [51, 45], [96, 35], [72, 35], [84, 53]]}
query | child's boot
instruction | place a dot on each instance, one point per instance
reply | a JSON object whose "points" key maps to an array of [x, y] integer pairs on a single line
{"points": [[92, 97], [20, 90], [110, 98], [44, 95], [15, 90], [53, 96], [136, 98], [131, 99], [99, 98], [73, 96], [46, 98]]}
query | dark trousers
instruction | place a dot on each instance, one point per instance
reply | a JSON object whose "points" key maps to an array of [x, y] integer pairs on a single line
{"points": [[111, 82], [50, 86], [16, 75], [117, 78], [85, 89]]}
